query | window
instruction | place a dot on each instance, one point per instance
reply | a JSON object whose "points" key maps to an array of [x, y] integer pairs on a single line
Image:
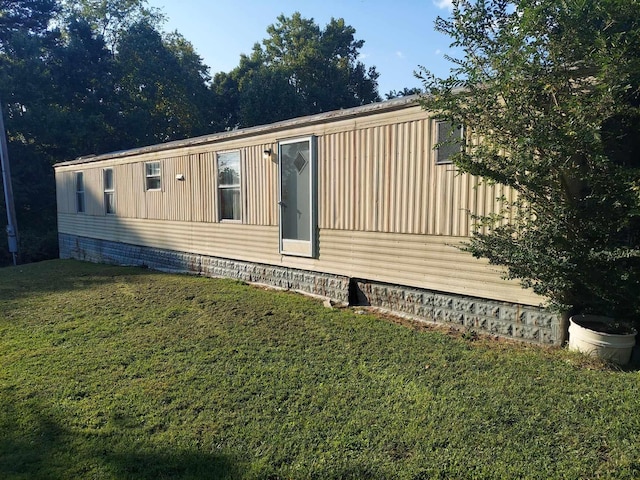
{"points": [[79, 192], [229, 203], [109, 192], [153, 175], [449, 140]]}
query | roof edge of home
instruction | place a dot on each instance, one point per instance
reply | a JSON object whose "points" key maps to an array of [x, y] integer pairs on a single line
{"points": [[334, 115]]}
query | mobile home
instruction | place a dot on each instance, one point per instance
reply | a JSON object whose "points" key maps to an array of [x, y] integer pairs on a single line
{"points": [[355, 205]]}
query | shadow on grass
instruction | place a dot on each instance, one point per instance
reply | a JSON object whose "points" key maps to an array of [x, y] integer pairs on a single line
{"points": [[182, 465], [59, 276], [34, 445]]}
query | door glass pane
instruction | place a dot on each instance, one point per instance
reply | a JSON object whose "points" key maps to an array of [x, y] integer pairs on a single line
{"points": [[295, 181]]}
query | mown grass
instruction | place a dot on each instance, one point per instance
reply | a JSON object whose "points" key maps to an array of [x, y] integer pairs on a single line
{"points": [[110, 372]]}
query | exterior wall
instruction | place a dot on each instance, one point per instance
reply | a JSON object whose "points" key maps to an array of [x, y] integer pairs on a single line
{"points": [[431, 262], [387, 214]]}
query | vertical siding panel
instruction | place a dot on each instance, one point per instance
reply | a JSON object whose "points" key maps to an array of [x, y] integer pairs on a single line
{"points": [[463, 208], [165, 202], [341, 194], [322, 181], [366, 180], [413, 193], [473, 201], [456, 202], [182, 200], [373, 179], [352, 187], [385, 177], [342, 200], [138, 196], [208, 186], [432, 178], [123, 187], [61, 192], [376, 165], [248, 186], [195, 189], [214, 186], [275, 183], [449, 200], [345, 181], [326, 182], [93, 191], [421, 178], [64, 192], [401, 183], [392, 175], [175, 201], [396, 180]]}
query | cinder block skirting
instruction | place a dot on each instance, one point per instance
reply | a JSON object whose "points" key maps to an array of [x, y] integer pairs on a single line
{"points": [[510, 320], [327, 285], [521, 322]]}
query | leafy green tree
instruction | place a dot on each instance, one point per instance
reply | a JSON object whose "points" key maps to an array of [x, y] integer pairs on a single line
{"points": [[300, 69], [162, 89], [25, 17], [110, 18], [256, 93], [552, 90], [82, 113], [26, 42], [405, 92]]}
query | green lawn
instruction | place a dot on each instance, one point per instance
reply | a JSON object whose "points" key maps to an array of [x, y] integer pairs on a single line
{"points": [[109, 372]]}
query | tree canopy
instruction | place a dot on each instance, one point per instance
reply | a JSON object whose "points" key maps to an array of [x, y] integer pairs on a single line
{"points": [[551, 89], [299, 69]]}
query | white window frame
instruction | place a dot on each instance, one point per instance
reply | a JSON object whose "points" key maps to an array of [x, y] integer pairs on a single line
{"points": [[81, 205], [220, 187], [152, 176], [451, 148], [300, 248], [109, 192]]}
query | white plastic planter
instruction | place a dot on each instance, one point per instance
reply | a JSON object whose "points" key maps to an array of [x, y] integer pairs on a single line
{"points": [[585, 336]]}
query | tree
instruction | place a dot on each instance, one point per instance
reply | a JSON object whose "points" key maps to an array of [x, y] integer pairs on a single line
{"points": [[26, 42], [110, 18], [552, 91], [162, 91], [300, 69], [405, 92]]}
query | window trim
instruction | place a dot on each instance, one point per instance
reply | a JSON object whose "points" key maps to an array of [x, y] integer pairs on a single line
{"points": [[436, 136], [81, 207], [148, 176], [109, 192], [220, 187]]}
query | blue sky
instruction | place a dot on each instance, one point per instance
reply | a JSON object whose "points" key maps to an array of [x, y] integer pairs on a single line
{"points": [[398, 34]]}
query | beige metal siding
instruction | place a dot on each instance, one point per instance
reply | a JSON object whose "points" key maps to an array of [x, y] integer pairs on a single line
{"points": [[384, 178], [93, 191], [431, 262], [260, 182], [65, 192]]}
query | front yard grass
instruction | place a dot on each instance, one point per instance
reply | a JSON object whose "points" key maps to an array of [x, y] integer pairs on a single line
{"points": [[116, 373]]}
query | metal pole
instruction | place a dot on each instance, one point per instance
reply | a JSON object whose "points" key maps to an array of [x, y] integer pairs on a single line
{"points": [[12, 227]]}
